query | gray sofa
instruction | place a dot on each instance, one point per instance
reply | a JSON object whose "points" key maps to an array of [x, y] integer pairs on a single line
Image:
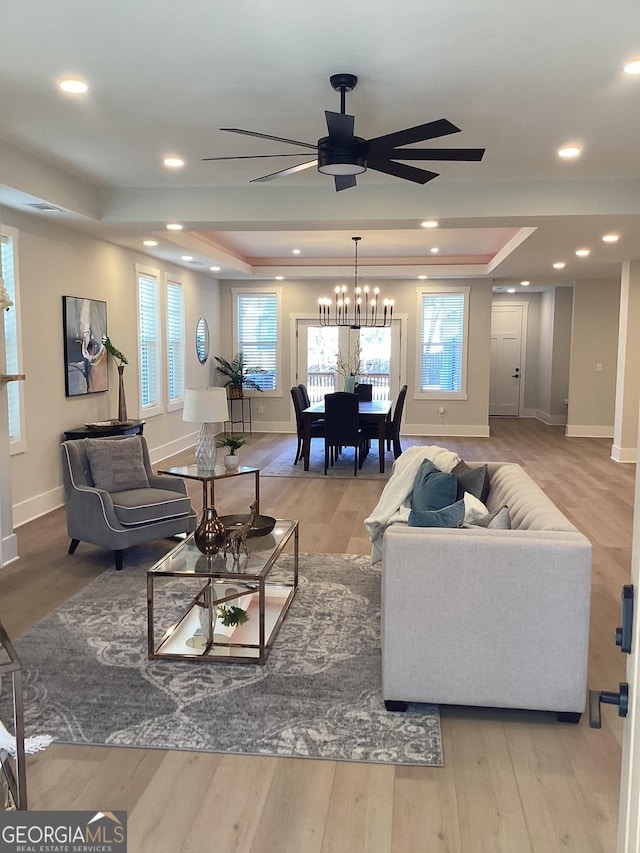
{"points": [[489, 617]]}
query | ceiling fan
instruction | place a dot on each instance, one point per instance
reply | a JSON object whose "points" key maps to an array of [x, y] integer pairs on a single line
{"points": [[345, 155]]}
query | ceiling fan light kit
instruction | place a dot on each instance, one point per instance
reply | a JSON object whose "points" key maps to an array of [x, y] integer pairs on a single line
{"points": [[343, 155]]}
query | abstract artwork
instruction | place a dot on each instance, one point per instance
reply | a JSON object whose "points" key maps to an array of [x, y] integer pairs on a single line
{"points": [[85, 356]]}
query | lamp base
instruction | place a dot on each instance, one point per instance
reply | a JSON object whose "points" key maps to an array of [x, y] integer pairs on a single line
{"points": [[206, 448]]}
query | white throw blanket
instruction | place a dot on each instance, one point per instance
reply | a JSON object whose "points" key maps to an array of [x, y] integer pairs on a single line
{"points": [[395, 500], [31, 744]]}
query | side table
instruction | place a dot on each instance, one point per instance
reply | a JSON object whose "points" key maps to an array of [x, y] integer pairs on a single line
{"points": [[105, 429], [208, 478], [240, 412]]}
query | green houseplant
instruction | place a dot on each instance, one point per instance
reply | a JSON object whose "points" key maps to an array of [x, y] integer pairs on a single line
{"points": [[237, 374], [232, 443]]}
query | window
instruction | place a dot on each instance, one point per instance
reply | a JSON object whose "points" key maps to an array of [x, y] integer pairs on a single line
{"points": [[175, 344], [150, 377], [256, 334], [442, 353], [9, 244]]}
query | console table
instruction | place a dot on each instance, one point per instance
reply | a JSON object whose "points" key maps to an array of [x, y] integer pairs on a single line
{"points": [[104, 429]]}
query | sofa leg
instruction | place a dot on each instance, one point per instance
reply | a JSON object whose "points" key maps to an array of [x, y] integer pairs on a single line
{"points": [[118, 558], [394, 705], [74, 544], [568, 717]]}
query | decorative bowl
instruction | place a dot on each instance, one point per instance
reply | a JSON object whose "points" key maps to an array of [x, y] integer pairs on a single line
{"points": [[262, 524]]}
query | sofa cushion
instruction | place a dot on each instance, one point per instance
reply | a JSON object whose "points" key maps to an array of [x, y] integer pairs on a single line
{"points": [[497, 520], [448, 516], [144, 506], [472, 480], [116, 464], [432, 488]]}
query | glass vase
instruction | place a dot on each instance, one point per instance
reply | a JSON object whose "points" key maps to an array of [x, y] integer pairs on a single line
{"points": [[122, 402]]}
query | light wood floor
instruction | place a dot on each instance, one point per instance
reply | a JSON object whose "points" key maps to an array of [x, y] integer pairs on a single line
{"points": [[512, 781]]}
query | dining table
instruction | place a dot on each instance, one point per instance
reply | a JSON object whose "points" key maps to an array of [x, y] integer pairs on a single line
{"points": [[378, 411]]}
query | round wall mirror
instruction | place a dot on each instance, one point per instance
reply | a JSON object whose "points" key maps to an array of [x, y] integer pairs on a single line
{"points": [[202, 340]]}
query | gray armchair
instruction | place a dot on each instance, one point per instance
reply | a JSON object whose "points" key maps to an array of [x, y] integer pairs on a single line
{"points": [[113, 498]]}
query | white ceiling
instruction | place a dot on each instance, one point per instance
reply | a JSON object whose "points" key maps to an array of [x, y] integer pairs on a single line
{"points": [[520, 79]]}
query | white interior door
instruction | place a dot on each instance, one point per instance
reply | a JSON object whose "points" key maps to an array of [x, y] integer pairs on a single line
{"points": [[506, 359]]}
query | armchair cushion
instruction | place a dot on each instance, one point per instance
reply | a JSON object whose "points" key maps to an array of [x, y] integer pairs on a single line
{"points": [[116, 465], [145, 506]]}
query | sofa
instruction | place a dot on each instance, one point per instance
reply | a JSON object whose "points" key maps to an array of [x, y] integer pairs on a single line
{"points": [[488, 617]]}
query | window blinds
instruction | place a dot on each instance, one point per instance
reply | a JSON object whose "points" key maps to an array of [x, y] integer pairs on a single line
{"points": [[443, 324], [175, 341], [257, 336], [11, 321], [149, 340]]}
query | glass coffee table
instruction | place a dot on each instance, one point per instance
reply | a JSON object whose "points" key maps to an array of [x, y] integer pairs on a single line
{"points": [[186, 589]]}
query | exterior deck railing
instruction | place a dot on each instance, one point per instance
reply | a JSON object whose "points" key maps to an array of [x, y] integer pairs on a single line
{"points": [[319, 384]]}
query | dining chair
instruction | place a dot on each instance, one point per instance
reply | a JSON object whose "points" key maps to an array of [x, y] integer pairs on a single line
{"points": [[305, 396], [392, 427], [342, 428], [364, 392], [317, 426]]}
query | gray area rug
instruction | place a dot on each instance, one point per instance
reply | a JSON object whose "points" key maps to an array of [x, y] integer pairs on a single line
{"points": [[283, 465], [87, 679]]}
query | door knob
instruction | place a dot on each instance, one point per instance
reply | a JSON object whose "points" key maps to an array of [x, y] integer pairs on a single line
{"points": [[596, 697], [623, 633], [516, 375]]}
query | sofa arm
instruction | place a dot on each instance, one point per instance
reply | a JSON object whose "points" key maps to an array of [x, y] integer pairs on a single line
{"points": [[486, 617], [171, 484]]}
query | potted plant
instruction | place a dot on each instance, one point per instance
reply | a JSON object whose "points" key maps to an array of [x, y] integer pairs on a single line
{"points": [[237, 374], [232, 443]]}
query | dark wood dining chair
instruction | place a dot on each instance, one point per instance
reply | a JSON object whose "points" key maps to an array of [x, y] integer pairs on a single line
{"points": [[392, 427], [364, 392], [342, 428], [305, 396], [317, 427]]}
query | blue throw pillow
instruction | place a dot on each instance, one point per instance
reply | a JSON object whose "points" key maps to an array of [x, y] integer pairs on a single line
{"points": [[448, 516], [432, 488]]}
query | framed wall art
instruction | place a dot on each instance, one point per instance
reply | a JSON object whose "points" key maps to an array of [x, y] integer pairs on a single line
{"points": [[85, 357]]}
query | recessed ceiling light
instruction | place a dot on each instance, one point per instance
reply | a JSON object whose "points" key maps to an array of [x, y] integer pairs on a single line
{"points": [[632, 67], [583, 253], [73, 87], [525, 283], [174, 226], [173, 162], [434, 251], [279, 278], [429, 223], [559, 265], [610, 238], [422, 277], [511, 290], [214, 269], [569, 152], [149, 242], [296, 251], [186, 257]]}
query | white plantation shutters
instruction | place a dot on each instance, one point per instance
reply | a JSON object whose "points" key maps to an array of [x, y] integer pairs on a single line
{"points": [[149, 342], [13, 354], [175, 343], [443, 344], [257, 335]]}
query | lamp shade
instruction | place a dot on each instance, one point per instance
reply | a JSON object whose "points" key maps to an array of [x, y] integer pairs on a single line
{"points": [[205, 405]]}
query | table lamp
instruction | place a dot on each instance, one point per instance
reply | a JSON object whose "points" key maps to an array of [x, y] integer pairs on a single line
{"points": [[206, 406]]}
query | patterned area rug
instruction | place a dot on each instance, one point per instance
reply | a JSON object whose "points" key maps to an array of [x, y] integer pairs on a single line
{"points": [[283, 465], [87, 679]]}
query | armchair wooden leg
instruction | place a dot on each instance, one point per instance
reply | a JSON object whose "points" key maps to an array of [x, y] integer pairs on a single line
{"points": [[74, 545], [118, 558]]}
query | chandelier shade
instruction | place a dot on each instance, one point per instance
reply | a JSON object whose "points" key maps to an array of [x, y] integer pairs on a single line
{"points": [[365, 308]]}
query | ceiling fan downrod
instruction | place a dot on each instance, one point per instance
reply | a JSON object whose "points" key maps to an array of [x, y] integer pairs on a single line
{"points": [[343, 83]]}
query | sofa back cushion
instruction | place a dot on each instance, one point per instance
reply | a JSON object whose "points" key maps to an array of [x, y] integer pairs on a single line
{"points": [[529, 507]]}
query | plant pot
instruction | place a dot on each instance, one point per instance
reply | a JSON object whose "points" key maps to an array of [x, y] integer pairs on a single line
{"points": [[235, 392], [231, 462]]}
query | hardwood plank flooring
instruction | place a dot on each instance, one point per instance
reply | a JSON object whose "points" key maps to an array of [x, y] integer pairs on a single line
{"points": [[513, 781]]}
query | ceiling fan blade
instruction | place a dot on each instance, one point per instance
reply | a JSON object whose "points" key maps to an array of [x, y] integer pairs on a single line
{"points": [[400, 170], [419, 133], [290, 171], [340, 126], [256, 156], [470, 154], [267, 136], [344, 182]]}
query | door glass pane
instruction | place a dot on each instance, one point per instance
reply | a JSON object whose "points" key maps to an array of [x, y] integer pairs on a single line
{"points": [[375, 359], [322, 347]]}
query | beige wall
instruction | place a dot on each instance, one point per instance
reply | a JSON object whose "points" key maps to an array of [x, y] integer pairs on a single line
{"points": [[53, 262], [594, 341]]}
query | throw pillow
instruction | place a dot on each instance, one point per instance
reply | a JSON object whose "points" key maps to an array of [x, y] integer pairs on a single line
{"points": [[116, 464], [472, 480], [448, 516], [432, 488], [497, 520], [474, 509]]}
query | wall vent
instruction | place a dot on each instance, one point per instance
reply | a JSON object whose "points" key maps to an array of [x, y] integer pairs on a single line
{"points": [[44, 206]]}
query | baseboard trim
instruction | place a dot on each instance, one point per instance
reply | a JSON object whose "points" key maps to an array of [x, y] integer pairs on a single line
{"points": [[578, 431], [624, 454], [37, 506], [470, 430], [9, 550], [171, 448], [551, 420]]}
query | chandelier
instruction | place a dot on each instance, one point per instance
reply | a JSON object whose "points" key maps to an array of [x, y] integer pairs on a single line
{"points": [[363, 309]]}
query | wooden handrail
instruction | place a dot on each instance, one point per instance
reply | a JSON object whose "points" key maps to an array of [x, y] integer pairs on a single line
{"points": [[11, 377]]}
